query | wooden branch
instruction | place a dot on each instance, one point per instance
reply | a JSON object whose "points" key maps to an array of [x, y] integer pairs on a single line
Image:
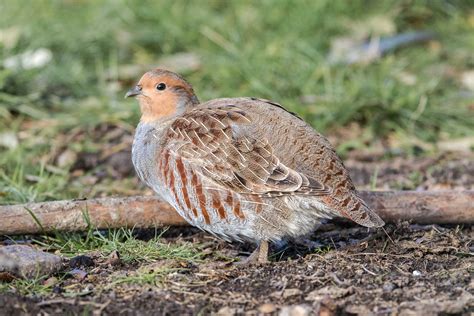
{"points": [[422, 207], [437, 207], [77, 215]]}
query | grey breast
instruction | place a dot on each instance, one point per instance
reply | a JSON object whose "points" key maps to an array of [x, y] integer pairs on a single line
{"points": [[144, 149]]}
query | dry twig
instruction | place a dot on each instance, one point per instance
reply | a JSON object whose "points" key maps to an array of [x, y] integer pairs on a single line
{"points": [[437, 207]]}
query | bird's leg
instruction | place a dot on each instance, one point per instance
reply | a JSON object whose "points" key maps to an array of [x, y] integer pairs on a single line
{"points": [[262, 252], [260, 255]]}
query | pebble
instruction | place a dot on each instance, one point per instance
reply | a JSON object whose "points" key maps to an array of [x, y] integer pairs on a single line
{"points": [[226, 311], [50, 282], [388, 287], [267, 308], [28, 262], [331, 291], [78, 274], [295, 310], [291, 292]]}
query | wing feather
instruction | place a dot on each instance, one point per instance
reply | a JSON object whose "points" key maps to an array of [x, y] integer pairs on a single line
{"points": [[207, 140]]}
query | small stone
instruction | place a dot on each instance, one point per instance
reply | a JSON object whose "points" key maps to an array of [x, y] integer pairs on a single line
{"points": [[81, 261], [78, 274], [50, 282], [357, 310], [388, 287], [295, 310], [225, 311], [291, 292], [416, 273], [27, 262], [329, 291], [267, 308]]}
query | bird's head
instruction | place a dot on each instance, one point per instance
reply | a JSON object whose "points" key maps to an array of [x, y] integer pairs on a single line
{"points": [[162, 94]]}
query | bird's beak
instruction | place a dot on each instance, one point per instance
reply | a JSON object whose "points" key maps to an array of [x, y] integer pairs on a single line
{"points": [[133, 92]]}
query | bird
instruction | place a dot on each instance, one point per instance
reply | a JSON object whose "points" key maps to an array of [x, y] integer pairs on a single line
{"points": [[242, 169]]}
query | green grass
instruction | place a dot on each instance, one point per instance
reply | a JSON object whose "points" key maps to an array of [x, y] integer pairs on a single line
{"points": [[145, 276], [33, 286], [123, 241], [19, 187], [102, 243]]}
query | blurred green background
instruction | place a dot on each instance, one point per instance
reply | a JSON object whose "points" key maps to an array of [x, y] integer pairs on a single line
{"points": [[65, 66]]}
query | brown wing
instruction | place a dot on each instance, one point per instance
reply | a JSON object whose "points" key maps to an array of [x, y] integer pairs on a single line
{"points": [[213, 141], [324, 165]]}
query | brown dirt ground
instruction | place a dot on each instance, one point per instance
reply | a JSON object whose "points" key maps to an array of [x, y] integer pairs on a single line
{"points": [[407, 269]]}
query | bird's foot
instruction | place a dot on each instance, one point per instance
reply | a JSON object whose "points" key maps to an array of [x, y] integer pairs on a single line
{"points": [[259, 256]]}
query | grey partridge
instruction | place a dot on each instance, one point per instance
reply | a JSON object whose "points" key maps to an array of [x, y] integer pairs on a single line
{"points": [[239, 168]]}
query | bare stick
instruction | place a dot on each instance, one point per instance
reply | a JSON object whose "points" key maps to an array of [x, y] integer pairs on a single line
{"points": [[76, 215], [423, 207], [437, 207]]}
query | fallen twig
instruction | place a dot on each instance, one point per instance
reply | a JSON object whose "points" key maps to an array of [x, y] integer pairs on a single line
{"points": [[437, 207]]}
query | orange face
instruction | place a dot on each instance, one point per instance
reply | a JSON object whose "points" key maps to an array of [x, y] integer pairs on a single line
{"points": [[162, 94]]}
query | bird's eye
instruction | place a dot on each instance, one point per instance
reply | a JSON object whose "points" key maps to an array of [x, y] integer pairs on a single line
{"points": [[161, 86]]}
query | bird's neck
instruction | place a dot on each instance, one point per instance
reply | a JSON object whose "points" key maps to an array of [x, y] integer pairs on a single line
{"points": [[165, 110]]}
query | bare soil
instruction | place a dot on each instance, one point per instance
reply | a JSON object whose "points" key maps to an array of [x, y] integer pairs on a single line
{"points": [[406, 269]]}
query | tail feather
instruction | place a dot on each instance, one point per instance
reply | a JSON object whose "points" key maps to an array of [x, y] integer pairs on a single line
{"points": [[363, 215], [354, 208]]}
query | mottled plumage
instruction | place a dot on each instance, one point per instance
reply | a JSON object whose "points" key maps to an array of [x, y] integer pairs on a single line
{"points": [[241, 168]]}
